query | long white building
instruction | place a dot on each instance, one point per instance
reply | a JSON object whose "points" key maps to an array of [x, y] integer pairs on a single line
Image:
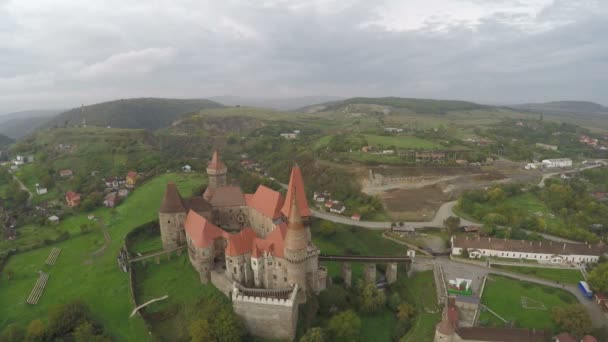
{"points": [[541, 251], [561, 162]]}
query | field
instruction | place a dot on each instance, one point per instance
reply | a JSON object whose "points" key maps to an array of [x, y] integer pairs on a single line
{"points": [[176, 278], [400, 141], [420, 290], [504, 296], [77, 275], [562, 276], [413, 204]]}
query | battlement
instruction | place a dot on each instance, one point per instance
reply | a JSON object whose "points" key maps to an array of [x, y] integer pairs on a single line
{"points": [[281, 297]]}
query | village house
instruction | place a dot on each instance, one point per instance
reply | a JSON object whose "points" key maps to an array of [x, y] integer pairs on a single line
{"points": [[356, 217], [541, 251], [560, 162], [110, 200], [290, 136], [66, 173], [122, 193], [53, 219], [337, 208], [393, 130], [546, 147], [40, 190], [131, 179], [186, 168], [72, 199]]}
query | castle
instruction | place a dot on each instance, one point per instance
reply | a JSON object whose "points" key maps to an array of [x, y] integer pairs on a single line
{"points": [[256, 248]]}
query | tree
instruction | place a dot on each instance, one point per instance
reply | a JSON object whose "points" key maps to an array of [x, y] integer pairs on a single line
{"points": [[314, 335], [369, 298], [451, 223], [65, 318], [227, 327], [335, 296], [345, 326], [12, 333], [327, 229], [598, 278], [86, 332], [405, 312], [35, 330], [572, 318], [200, 331]]}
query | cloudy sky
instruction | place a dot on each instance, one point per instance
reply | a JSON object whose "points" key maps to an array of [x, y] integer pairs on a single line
{"points": [[60, 53]]}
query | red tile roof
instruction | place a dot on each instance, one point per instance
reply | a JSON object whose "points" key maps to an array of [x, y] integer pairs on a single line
{"points": [[201, 231], [72, 196], [296, 237], [172, 201], [296, 183], [589, 338], [240, 243], [267, 201], [545, 247], [565, 337], [216, 163], [132, 174]]}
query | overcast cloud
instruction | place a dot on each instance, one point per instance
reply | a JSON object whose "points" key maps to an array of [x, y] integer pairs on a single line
{"points": [[61, 53]]}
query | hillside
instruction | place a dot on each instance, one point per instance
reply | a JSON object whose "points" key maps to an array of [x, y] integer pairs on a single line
{"points": [[423, 106], [585, 108], [142, 113], [291, 103], [19, 124], [4, 140]]}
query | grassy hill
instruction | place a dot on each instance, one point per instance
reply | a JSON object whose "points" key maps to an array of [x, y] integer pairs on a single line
{"points": [[426, 106], [144, 113], [566, 107]]}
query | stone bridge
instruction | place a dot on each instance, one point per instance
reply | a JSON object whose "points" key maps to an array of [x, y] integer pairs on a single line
{"points": [[370, 261], [157, 255]]}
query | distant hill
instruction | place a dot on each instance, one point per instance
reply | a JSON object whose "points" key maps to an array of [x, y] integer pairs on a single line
{"points": [[19, 124], [144, 113], [585, 108], [426, 106], [4, 140], [292, 103]]}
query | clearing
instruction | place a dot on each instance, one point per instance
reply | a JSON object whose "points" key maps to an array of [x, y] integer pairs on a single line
{"points": [[559, 275], [504, 296]]}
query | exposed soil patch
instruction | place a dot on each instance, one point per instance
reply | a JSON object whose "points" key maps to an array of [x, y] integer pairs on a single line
{"points": [[413, 204]]}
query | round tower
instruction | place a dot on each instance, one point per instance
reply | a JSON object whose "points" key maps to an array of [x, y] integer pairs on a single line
{"points": [[171, 217], [216, 172], [445, 330], [296, 243]]}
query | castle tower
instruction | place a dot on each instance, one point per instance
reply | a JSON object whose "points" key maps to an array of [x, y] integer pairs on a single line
{"points": [[171, 217], [296, 185], [445, 330], [296, 243], [216, 171]]}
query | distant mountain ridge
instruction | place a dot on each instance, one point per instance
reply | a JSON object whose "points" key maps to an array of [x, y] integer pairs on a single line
{"points": [[18, 124], [4, 140], [565, 108], [291, 103], [429, 106], [144, 113]]}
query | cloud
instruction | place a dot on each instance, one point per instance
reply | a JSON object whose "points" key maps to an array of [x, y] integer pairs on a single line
{"points": [[67, 52]]}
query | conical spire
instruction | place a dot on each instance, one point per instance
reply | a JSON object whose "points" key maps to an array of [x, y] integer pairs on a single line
{"points": [[296, 182], [215, 163], [296, 237], [172, 201]]}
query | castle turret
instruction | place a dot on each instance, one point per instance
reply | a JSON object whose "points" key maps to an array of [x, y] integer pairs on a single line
{"points": [[216, 171], [296, 243], [171, 217], [296, 185]]}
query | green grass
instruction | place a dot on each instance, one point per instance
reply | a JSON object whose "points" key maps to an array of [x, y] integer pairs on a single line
{"points": [[420, 290], [76, 275], [503, 295], [564, 276], [400, 141], [176, 278], [378, 327], [354, 241]]}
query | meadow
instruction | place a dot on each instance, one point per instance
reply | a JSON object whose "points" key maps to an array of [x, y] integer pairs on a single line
{"points": [[78, 275], [504, 296], [560, 275]]}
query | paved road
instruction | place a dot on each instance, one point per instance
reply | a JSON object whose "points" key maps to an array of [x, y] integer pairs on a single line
{"points": [[551, 237], [445, 211], [551, 174], [597, 315]]}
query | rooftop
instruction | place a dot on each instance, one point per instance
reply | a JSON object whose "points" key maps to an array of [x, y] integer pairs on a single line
{"points": [[542, 247]]}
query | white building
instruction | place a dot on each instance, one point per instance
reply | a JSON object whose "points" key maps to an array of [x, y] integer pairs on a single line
{"points": [[289, 136], [541, 251], [393, 130], [39, 190], [187, 168], [562, 162]]}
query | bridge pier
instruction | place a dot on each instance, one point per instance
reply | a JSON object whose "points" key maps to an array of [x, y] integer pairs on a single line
{"points": [[369, 273], [391, 273], [347, 274]]}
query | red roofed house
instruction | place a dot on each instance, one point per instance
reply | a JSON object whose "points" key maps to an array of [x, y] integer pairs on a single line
{"points": [[72, 199], [131, 179], [356, 217], [66, 173]]}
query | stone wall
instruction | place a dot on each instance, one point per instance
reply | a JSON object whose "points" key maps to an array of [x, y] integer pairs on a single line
{"points": [[262, 225], [231, 218], [172, 230], [265, 317]]}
